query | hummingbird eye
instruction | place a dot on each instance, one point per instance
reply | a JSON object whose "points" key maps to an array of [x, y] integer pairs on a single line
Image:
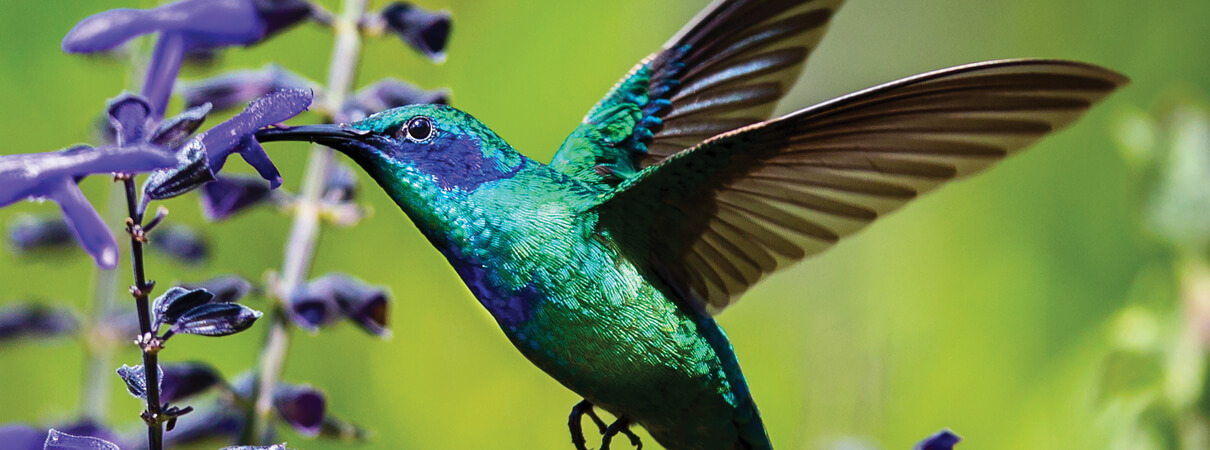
{"points": [[419, 129]]}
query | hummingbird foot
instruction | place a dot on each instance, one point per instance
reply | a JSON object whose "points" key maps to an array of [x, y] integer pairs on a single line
{"points": [[622, 425], [575, 420]]}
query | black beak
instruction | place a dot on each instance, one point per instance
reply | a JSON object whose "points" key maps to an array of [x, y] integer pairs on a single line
{"points": [[339, 137]]}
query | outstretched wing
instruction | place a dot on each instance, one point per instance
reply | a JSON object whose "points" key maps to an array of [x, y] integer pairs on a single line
{"points": [[713, 220], [725, 70]]}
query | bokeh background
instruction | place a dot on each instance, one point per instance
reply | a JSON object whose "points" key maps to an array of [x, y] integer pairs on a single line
{"points": [[990, 307]]}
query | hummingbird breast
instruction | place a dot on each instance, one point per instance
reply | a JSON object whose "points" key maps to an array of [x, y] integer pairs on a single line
{"points": [[585, 314]]}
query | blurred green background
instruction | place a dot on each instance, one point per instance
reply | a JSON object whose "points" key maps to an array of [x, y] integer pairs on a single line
{"points": [[986, 307]]}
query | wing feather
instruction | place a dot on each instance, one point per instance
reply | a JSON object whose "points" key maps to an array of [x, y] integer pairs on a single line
{"points": [[715, 219], [725, 70]]}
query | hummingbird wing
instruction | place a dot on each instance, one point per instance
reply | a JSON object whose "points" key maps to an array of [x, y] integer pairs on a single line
{"points": [[713, 220], [725, 70]]}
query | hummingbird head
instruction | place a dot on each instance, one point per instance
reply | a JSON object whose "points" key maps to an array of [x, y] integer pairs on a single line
{"points": [[428, 158], [425, 144]]}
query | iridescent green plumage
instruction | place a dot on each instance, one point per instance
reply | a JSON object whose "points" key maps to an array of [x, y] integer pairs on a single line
{"points": [[677, 193]]}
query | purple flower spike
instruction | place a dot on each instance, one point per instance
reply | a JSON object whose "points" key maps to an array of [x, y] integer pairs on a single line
{"points": [[302, 407], [28, 233], [183, 26], [236, 88], [426, 31], [943, 440], [185, 380], [236, 134], [53, 176], [227, 196], [22, 437], [56, 440], [35, 320]]}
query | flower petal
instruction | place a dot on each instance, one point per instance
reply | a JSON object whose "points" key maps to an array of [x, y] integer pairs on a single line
{"points": [[29, 233], [238, 87], [56, 440], [943, 440], [172, 133], [270, 109], [216, 319], [425, 31], [22, 437], [91, 231], [180, 242], [302, 407], [35, 320], [341, 185], [226, 288], [207, 23], [312, 309], [185, 380], [128, 114], [386, 94], [192, 171], [136, 379], [279, 15], [229, 195], [168, 307], [33, 175]]}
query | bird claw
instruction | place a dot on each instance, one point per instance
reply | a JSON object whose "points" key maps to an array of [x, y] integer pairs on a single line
{"points": [[622, 425], [575, 420]]}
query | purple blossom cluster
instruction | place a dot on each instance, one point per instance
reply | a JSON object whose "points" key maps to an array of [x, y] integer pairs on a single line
{"points": [[175, 158]]}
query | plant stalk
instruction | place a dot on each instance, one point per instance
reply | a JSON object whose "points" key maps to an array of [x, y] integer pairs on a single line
{"points": [[304, 231], [141, 290]]}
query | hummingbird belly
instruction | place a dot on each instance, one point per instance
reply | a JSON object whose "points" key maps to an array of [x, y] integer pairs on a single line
{"points": [[599, 328]]}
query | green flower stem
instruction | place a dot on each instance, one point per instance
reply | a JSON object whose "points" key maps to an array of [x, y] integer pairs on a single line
{"points": [[304, 232]]}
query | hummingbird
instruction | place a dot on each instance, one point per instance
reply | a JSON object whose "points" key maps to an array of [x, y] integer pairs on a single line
{"points": [[679, 191]]}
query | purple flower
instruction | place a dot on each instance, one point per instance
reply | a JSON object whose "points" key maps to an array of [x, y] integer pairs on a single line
{"points": [[426, 31], [324, 300], [28, 233], [53, 176], [235, 88], [206, 425], [236, 134], [386, 94], [57, 440], [300, 406], [180, 242], [35, 320], [943, 440], [227, 196], [22, 437], [184, 380], [205, 155], [184, 26]]}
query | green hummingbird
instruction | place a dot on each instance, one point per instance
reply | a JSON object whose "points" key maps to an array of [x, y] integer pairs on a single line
{"points": [[678, 192]]}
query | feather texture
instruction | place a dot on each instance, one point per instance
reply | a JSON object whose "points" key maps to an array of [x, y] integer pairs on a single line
{"points": [[725, 70], [713, 220]]}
